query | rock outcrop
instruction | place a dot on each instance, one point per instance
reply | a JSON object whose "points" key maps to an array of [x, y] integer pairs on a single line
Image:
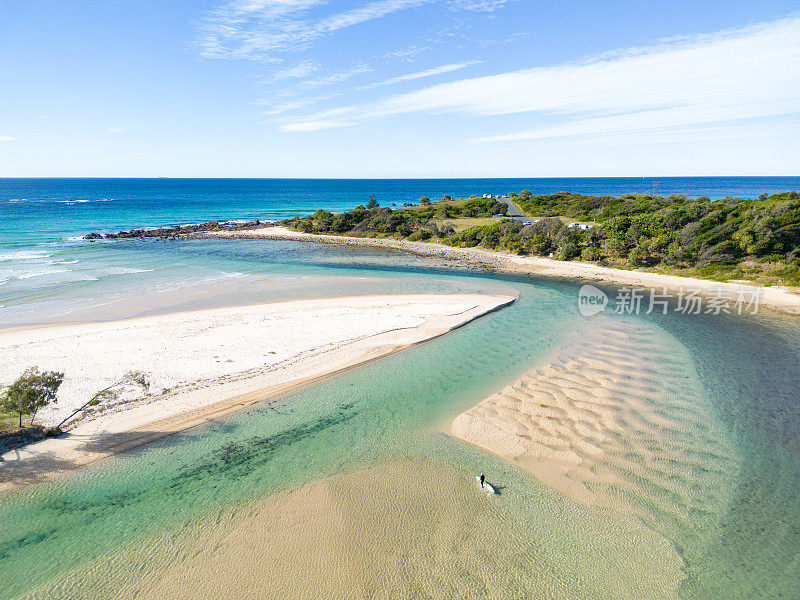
{"points": [[174, 231]]}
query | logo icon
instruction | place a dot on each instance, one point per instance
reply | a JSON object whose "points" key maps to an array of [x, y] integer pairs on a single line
{"points": [[591, 300]]}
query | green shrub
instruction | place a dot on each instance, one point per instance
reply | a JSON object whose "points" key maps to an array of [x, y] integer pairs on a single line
{"points": [[637, 229], [591, 254], [420, 234]]}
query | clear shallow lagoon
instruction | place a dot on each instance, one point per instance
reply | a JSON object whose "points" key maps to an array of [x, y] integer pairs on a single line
{"points": [[142, 509], [129, 522]]}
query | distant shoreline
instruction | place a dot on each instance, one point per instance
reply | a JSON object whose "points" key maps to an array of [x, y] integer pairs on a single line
{"points": [[773, 297]]}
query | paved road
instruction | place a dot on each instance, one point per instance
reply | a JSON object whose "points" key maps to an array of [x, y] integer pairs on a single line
{"points": [[513, 211]]}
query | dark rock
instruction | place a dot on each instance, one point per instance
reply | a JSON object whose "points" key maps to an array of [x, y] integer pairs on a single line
{"points": [[175, 231]]}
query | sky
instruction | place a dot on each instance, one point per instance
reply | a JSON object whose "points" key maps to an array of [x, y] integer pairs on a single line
{"points": [[399, 88]]}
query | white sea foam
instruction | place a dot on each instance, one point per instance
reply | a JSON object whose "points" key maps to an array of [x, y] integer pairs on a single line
{"points": [[41, 273], [24, 255], [125, 271]]}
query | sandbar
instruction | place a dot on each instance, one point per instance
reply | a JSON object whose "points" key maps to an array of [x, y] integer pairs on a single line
{"points": [[208, 363]]}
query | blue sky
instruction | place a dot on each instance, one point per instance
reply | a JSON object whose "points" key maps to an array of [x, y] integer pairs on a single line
{"points": [[399, 88]]}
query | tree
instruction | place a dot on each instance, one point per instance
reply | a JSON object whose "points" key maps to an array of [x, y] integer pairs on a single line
{"points": [[639, 256], [130, 379], [525, 193], [30, 392], [372, 202], [425, 201], [322, 219], [568, 251], [591, 254]]}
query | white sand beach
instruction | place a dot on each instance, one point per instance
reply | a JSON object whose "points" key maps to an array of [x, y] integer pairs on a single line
{"points": [[774, 297], [207, 363], [611, 411]]}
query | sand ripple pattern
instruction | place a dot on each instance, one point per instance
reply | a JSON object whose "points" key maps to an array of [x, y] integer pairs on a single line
{"points": [[615, 418]]}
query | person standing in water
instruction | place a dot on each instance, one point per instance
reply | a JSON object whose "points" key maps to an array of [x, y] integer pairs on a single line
{"points": [[483, 478]]}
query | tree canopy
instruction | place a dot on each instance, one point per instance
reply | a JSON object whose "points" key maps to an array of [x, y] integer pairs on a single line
{"points": [[732, 238], [32, 391]]}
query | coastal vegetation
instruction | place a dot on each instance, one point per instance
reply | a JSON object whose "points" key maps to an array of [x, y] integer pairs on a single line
{"points": [[34, 390], [416, 222], [30, 392], [131, 379], [728, 239]]}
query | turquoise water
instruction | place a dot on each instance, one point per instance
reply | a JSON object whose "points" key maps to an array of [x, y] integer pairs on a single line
{"points": [[744, 542], [45, 272], [392, 409]]}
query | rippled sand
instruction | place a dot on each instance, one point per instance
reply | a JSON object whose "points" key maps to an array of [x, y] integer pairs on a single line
{"points": [[613, 419], [393, 530]]}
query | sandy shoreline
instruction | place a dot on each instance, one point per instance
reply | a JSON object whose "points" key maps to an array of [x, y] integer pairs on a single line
{"points": [[209, 363], [609, 417], [773, 297]]}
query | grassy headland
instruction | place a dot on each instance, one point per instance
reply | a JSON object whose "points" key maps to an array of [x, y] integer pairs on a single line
{"points": [[755, 240]]}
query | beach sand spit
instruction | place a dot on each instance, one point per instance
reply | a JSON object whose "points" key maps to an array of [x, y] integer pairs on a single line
{"points": [[208, 363]]}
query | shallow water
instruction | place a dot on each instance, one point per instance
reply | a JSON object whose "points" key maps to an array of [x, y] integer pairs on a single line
{"points": [[130, 524]]}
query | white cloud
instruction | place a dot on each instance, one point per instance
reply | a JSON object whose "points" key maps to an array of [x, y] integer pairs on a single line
{"points": [[317, 125], [7, 138], [479, 5], [332, 78], [356, 16], [234, 29], [420, 74], [406, 54], [277, 108], [724, 77], [259, 29], [116, 129], [298, 71], [504, 41]]}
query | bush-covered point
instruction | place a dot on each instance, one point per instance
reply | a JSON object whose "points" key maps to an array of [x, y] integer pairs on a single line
{"points": [[738, 238]]}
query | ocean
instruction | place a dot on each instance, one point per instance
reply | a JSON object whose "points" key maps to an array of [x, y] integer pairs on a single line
{"points": [[47, 272], [714, 517]]}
